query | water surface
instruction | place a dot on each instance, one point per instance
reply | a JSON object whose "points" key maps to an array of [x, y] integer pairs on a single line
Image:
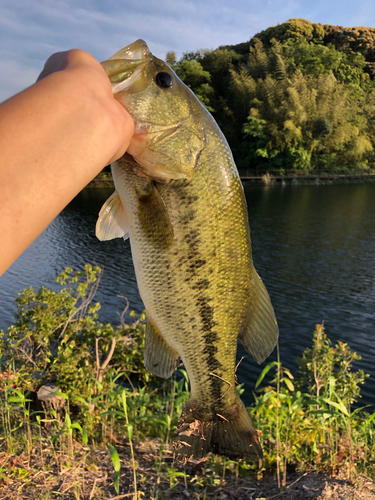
{"points": [[313, 246]]}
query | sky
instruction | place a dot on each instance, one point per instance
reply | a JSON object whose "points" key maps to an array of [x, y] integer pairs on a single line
{"points": [[31, 30]]}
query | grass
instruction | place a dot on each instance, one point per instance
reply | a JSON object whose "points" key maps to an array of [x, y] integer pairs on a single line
{"points": [[113, 437]]}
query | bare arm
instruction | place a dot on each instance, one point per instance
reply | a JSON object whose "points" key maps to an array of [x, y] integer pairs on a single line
{"points": [[55, 137]]}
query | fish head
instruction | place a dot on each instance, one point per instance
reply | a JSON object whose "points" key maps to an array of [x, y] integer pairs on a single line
{"points": [[168, 118]]}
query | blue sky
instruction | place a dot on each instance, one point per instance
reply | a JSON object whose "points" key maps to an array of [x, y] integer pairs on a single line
{"points": [[31, 30]]}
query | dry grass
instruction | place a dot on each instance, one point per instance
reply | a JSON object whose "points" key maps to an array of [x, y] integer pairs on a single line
{"points": [[47, 475]]}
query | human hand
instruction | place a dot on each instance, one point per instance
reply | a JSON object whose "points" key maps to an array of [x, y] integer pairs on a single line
{"points": [[90, 77]]}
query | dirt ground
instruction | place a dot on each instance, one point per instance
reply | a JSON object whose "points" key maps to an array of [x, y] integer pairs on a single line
{"points": [[89, 476], [313, 485]]}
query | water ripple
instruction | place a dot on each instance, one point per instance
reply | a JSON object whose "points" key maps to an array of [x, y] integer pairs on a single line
{"points": [[313, 246]]}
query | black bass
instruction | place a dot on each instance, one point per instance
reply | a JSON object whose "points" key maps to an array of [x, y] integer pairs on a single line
{"points": [[180, 201]]}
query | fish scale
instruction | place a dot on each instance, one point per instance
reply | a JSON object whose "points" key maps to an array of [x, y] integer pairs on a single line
{"points": [[180, 200]]}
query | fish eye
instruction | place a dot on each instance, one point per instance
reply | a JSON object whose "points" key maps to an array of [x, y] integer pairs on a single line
{"points": [[164, 80]]}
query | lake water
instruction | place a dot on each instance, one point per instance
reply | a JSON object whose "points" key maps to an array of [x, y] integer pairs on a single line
{"points": [[313, 246]]}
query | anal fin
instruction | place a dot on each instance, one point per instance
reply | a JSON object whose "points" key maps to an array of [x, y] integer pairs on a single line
{"points": [[160, 358], [260, 332]]}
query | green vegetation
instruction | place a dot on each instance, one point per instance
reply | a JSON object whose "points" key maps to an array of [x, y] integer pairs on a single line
{"points": [[298, 96], [106, 410], [307, 419]]}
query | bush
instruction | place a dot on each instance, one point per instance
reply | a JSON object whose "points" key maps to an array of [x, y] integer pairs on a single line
{"points": [[57, 338], [308, 421]]}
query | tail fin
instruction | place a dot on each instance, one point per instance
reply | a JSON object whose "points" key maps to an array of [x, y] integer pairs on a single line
{"points": [[231, 434]]}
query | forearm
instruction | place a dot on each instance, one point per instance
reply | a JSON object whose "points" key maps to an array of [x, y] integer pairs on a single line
{"points": [[54, 138]]}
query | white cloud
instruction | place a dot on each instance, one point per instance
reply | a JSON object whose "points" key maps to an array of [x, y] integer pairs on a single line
{"points": [[30, 30]]}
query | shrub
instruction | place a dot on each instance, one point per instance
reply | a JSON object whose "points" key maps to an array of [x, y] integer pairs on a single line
{"points": [[57, 338], [308, 421]]}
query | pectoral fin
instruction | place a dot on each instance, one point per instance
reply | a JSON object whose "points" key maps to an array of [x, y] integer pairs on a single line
{"points": [[111, 222], [153, 216], [160, 358], [260, 332]]}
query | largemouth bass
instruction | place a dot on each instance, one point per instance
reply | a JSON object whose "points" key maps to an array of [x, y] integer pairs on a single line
{"points": [[180, 201]]}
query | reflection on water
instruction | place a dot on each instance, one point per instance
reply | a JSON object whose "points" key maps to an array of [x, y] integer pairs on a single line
{"points": [[313, 246]]}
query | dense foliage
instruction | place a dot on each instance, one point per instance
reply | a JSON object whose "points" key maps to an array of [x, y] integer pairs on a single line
{"points": [[299, 95]]}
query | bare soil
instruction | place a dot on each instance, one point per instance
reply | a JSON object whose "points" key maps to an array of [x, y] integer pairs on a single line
{"points": [[44, 475]]}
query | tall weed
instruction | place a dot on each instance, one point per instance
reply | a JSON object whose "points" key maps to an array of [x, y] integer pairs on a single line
{"points": [[308, 420]]}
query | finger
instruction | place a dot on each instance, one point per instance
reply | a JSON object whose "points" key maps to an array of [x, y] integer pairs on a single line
{"points": [[56, 62]]}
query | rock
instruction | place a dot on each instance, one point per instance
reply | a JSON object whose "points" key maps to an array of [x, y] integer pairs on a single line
{"points": [[46, 394]]}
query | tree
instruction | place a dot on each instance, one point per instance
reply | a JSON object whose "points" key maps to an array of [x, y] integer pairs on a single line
{"points": [[293, 115], [194, 76], [314, 59], [207, 73], [171, 58], [293, 30], [298, 95], [359, 39]]}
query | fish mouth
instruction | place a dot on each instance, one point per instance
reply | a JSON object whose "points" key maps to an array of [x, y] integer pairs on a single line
{"points": [[136, 50], [124, 69]]}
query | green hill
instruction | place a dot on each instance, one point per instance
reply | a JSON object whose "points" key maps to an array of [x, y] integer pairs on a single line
{"points": [[298, 95]]}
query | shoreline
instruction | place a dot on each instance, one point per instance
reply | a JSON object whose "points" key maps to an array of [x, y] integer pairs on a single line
{"points": [[274, 180]]}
